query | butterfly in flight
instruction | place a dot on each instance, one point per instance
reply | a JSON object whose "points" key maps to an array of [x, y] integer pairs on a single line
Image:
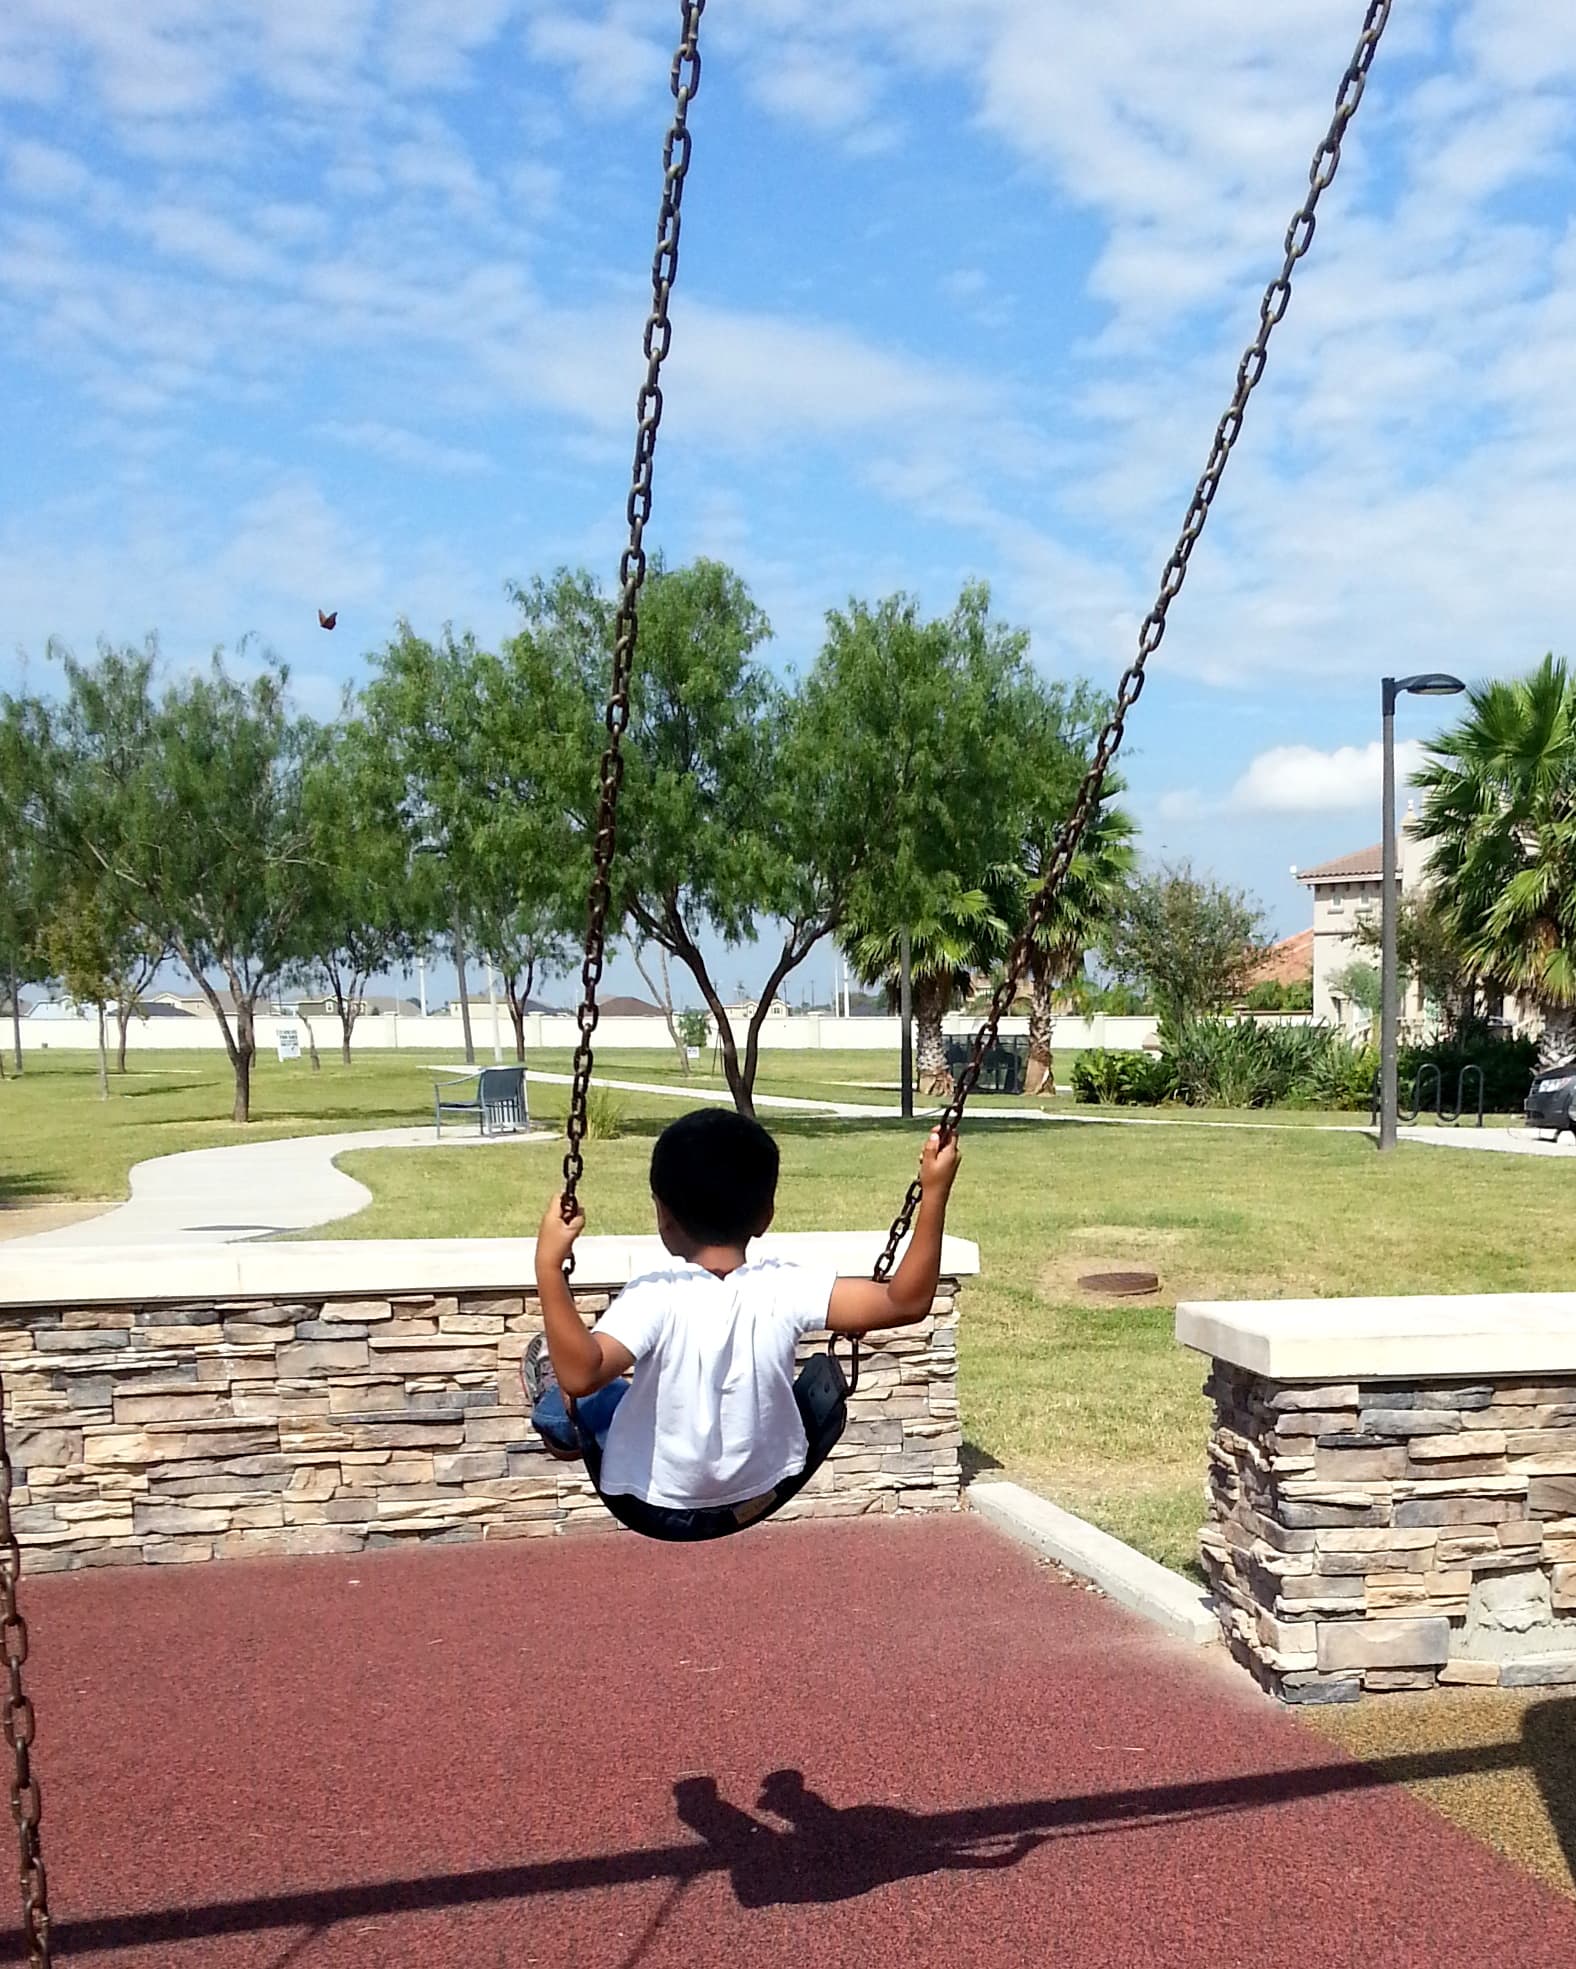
{"points": [[327, 621]]}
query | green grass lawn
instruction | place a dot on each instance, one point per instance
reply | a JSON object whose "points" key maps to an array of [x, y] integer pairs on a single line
{"points": [[1093, 1403], [59, 1140]]}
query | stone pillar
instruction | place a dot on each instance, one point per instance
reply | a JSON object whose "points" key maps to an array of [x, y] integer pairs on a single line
{"points": [[1368, 1536]]}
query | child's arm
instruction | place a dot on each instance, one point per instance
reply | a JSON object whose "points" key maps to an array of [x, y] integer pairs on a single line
{"points": [[582, 1360], [864, 1305]]}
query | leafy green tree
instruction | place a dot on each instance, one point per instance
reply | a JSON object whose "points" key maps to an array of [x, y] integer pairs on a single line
{"points": [[705, 835], [886, 780], [1190, 942], [956, 934], [1499, 806], [922, 742], [21, 874], [79, 940], [1060, 726], [422, 713], [1280, 995], [1428, 955], [68, 827], [369, 904], [190, 801], [525, 945], [1359, 983]]}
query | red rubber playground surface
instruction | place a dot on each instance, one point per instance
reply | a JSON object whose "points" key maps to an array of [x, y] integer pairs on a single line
{"points": [[854, 1744]]}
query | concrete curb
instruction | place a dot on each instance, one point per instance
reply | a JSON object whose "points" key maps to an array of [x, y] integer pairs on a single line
{"points": [[1144, 1586]]}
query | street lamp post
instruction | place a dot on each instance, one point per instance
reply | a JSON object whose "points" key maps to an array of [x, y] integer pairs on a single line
{"points": [[1433, 683]]}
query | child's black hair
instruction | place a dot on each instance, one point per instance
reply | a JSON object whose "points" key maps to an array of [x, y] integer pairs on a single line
{"points": [[716, 1171]]}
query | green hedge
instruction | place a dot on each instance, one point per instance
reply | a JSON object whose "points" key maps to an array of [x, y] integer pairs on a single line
{"points": [[1106, 1077], [1234, 1063], [1508, 1065], [1247, 1063]]}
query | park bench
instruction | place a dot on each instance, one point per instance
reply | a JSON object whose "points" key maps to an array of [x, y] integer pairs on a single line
{"points": [[1004, 1070], [496, 1099]]}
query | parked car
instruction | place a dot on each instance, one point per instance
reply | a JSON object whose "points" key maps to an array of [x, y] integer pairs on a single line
{"points": [[1549, 1099]]}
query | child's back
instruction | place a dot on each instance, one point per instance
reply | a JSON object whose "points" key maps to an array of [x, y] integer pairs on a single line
{"points": [[709, 1418]]}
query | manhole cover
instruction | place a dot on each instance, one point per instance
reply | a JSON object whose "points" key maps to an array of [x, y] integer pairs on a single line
{"points": [[1121, 1285]]}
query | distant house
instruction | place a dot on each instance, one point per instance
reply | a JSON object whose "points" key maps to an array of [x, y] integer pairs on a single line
{"points": [[372, 1005], [191, 1002], [57, 1011], [1346, 896], [630, 1008], [745, 1010]]}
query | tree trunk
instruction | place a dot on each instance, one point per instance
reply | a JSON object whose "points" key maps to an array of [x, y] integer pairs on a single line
{"points": [[664, 998], [1557, 1043], [123, 1023], [16, 1023], [242, 1055], [741, 1085], [517, 1020], [347, 1025], [465, 995], [103, 1050], [930, 1005], [311, 1044], [1041, 1077], [801, 940]]}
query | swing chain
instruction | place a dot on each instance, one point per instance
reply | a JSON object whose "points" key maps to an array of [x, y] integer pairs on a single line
{"points": [[1277, 296], [27, 1804], [684, 79]]}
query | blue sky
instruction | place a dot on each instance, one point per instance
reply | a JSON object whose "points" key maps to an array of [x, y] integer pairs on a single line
{"points": [[338, 302]]}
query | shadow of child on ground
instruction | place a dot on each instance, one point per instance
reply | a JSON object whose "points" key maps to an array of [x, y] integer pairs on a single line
{"points": [[827, 1852]]}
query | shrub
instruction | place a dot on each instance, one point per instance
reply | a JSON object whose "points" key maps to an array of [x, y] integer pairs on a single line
{"points": [[694, 1027], [1271, 995], [1108, 1077], [1240, 1063], [1507, 1062], [604, 1116]]}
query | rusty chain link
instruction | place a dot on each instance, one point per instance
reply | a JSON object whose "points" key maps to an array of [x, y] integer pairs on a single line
{"points": [[27, 1804], [685, 81], [1299, 237]]}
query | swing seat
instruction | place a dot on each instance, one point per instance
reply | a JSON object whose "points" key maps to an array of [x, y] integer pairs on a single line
{"points": [[821, 1390]]}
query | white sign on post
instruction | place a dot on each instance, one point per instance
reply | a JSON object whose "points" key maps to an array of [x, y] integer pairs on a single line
{"points": [[288, 1041]]}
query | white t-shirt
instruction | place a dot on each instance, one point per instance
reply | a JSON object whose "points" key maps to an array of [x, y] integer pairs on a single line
{"points": [[710, 1418]]}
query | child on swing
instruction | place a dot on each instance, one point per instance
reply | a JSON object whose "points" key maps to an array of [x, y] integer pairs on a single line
{"points": [[709, 1420]]}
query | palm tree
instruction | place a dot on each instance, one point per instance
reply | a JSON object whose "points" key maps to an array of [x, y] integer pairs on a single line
{"points": [[1500, 807], [1103, 862], [955, 934]]}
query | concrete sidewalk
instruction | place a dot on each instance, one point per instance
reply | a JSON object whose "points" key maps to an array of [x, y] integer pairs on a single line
{"points": [[248, 1190], [1492, 1141]]}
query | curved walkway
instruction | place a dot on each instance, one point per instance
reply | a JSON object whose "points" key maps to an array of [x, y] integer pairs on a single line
{"points": [[248, 1190], [262, 1189]]}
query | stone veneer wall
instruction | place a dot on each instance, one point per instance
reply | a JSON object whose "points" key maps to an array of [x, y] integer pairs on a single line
{"points": [[1374, 1536], [224, 1427]]}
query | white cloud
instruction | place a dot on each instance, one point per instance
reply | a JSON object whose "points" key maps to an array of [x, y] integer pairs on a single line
{"points": [[610, 63], [401, 447], [1301, 779]]}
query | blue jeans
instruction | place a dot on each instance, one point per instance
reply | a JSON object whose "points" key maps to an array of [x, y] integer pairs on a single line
{"points": [[551, 1420]]}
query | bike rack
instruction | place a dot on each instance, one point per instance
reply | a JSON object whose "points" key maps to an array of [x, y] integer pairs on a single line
{"points": [[1430, 1076]]}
